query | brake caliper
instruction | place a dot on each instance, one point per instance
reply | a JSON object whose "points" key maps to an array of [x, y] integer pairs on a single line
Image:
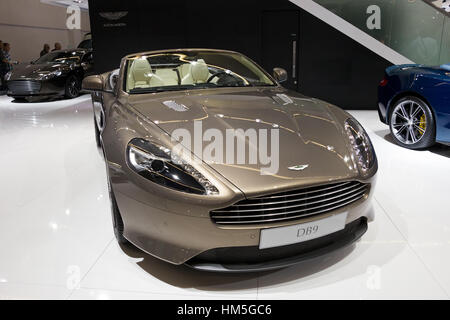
{"points": [[423, 123]]}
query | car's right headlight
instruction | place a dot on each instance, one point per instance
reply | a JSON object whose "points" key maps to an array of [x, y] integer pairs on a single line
{"points": [[363, 150], [157, 164], [45, 75]]}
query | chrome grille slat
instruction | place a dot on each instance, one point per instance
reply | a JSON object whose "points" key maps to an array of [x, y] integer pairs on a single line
{"points": [[298, 194], [294, 211], [291, 205], [355, 189], [24, 86], [289, 218]]}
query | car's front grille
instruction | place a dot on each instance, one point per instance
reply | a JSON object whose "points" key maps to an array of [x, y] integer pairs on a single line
{"points": [[291, 205], [24, 87]]}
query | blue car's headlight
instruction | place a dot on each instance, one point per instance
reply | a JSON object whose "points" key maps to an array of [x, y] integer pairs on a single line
{"points": [[363, 150], [156, 164]]}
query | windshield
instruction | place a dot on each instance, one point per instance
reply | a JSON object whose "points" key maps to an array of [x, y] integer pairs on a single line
{"points": [[60, 57], [85, 44], [192, 70]]}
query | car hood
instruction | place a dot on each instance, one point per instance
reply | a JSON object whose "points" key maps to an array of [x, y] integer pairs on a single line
{"points": [[31, 71], [310, 136], [419, 68], [445, 67]]}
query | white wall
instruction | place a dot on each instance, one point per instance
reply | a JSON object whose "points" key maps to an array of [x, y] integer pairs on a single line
{"points": [[28, 24]]}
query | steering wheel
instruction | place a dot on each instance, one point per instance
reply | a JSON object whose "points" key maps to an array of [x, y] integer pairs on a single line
{"points": [[216, 75], [228, 79]]}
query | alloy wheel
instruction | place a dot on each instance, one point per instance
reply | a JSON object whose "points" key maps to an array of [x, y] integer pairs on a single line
{"points": [[73, 87], [409, 122]]}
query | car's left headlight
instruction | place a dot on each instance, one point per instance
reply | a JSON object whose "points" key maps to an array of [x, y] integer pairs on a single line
{"points": [[363, 149], [44, 75], [157, 164]]}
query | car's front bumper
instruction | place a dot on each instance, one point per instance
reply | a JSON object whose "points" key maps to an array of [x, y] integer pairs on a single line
{"points": [[385, 96], [181, 232], [35, 88], [251, 259], [382, 103]]}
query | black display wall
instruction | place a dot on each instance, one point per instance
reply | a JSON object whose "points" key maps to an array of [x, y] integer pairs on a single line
{"points": [[328, 64]]}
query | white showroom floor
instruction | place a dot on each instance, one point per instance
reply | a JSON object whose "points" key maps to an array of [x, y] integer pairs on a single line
{"points": [[56, 238]]}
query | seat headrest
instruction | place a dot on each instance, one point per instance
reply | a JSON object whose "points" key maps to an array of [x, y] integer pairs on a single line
{"points": [[141, 69], [199, 71]]}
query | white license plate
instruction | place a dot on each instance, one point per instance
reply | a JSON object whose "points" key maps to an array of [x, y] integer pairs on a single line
{"points": [[276, 237]]}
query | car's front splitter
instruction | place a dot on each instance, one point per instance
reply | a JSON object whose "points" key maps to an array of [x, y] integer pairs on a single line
{"points": [[253, 259]]}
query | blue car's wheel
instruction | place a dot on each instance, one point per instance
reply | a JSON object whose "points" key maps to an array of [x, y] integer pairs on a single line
{"points": [[412, 123]]}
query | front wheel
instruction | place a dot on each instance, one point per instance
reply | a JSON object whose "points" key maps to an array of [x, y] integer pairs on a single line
{"points": [[117, 219], [412, 123], [97, 134], [116, 216], [73, 87]]}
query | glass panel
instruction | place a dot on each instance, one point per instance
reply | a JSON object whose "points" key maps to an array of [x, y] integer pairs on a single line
{"points": [[417, 31], [413, 28], [445, 50]]}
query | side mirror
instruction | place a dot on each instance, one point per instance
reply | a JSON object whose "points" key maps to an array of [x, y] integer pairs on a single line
{"points": [[114, 79], [93, 83], [280, 74]]}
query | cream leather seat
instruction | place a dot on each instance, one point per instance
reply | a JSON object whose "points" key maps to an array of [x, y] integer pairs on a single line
{"points": [[168, 77], [195, 72], [185, 73], [140, 74]]}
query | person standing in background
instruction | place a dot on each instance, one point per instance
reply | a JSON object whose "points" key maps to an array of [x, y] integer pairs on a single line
{"points": [[5, 63], [57, 46], [45, 50], [7, 57], [1, 66]]}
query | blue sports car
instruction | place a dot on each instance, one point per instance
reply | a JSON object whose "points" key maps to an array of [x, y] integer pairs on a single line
{"points": [[414, 100]]}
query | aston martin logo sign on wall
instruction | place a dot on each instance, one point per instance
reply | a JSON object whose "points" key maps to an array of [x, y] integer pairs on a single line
{"points": [[114, 16]]}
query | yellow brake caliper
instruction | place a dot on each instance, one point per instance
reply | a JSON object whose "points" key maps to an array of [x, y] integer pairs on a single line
{"points": [[423, 124]]}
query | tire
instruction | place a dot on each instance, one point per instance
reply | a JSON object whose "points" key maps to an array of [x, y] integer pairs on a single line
{"points": [[412, 123], [118, 225], [117, 219], [97, 135], [73, 87]]}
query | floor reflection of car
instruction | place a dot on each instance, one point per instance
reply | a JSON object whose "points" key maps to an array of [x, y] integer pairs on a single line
{"points": [[414, 100], [58, 73], [219, 215]]}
